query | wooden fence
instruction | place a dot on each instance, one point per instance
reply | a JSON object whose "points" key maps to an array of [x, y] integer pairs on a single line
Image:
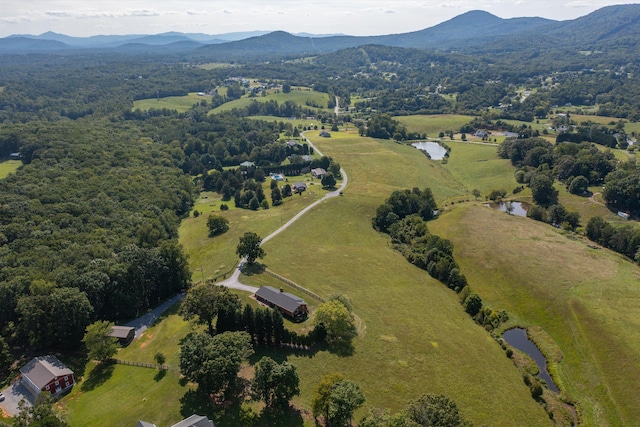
{"points": [[295, 285], [141, 364]]}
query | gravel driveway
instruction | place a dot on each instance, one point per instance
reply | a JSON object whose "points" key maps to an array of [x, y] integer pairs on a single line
{"points": [[13, 394]]}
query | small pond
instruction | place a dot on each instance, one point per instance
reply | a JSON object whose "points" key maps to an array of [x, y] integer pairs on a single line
{"points": [[435, 150], [519, 208], [517, 338]]}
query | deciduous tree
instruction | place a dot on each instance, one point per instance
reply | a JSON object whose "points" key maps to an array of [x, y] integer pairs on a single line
{"points": [[100, 345], [249, 247], [217, 225], [205, 302], [275, 383], [214, 362]]}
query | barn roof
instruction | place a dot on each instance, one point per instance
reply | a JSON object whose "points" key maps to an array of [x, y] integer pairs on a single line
{"points": [[42, 370], [121, 332], [285, 300]]}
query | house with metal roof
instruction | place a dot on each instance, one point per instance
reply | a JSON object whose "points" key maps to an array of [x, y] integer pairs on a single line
{"points": [[192, 421], [124, 334], [288, 304], [47, 373]]}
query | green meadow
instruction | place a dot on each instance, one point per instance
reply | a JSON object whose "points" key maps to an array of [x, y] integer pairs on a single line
{"points": [[432, 125], [580, 295], [9, 166], [308, 98], [414, 336], [178, 103]]}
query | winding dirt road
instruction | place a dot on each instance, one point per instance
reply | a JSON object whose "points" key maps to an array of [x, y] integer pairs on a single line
{"points": [[233, 281]]}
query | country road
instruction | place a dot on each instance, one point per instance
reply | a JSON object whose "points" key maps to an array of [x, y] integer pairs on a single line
{"points": [[232, 282]]}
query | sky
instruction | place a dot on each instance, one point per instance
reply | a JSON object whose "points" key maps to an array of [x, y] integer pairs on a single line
{"points": [[354, 17]]}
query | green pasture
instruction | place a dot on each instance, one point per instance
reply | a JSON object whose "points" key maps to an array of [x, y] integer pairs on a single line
{"points": [[9, 166], [179, 103], [477, 166], [416, 337], [300, 97], [214, 65], [581, 296], [432, 125], [213, 256], [294, 122]]}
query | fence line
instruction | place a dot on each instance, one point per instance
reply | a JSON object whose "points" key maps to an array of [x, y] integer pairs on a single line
{"points": [[294, 285], [141, 364], [223, 275]]}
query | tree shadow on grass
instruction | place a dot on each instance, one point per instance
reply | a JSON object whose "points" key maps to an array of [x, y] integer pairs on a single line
{"points": [[160, 375], [98, 376], [253, 269], [287, 417], [341, 348]]}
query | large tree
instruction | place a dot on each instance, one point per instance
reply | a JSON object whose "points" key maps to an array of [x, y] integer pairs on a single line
{"points": [[436, 410], [346, 396], [542, 190], [214, 362], [249, 247], [205, 302], [337, 321], [275, 383], [99, 344], [217, 225], [322, 394]]}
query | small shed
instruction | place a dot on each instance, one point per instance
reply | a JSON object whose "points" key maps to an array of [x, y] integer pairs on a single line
{"points": [[124, 334], [47, 373], [318, 172], [299, 187], [288, 304]]}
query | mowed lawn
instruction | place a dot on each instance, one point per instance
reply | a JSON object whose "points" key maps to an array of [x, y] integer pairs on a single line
{"points": [[120, 395], [586, 299], [415, 336], [178, 103], [9, 166]]}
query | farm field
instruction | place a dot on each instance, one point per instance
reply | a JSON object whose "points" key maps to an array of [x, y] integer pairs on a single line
{"points": [[582, 297], [301, 97], [334, 249], [178, 103], [9, 166], [432, 125]]}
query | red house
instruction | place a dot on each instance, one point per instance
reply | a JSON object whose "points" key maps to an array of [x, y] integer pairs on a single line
{"points": [[47, 373]]}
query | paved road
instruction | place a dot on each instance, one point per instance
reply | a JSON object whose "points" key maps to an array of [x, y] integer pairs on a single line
{"points": [[233, 282], [144, 322]]}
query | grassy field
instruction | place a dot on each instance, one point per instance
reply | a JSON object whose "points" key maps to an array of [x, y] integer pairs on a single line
{"points": [[582, 297], [294, 122], [432, 125], [179, 103], [298, 96], [214, 65], [416, 336], [9, 166], [216, 256]]}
